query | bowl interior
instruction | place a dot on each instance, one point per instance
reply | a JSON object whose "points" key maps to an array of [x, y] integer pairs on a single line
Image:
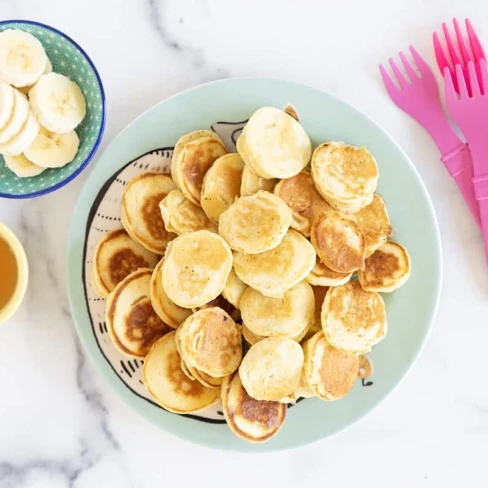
{"points": [[410, 310], [68, 59]]}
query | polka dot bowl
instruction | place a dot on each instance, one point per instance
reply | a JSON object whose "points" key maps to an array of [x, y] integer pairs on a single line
{"points": [[69, 59]]}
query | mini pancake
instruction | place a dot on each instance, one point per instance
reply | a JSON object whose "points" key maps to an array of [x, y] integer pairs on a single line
{"points": [[251, 338], [252, 183], [255, 223], [180, 215], [250, 419], [387, 269], [140, 210], [274, 272], [319, 293], [166, 309], [234, 289], [193, 155], [274, 144], [321, 275], [222, 303], [338, 241], [132, 323], [344, 175], [115, 257], [195, 268], [266, 316], [300, 194], [202, 378], [271, 369], [353, 319], [328, 372], [167, 383], [221, 185], [365, 367], [375, 224], [210, 341]]}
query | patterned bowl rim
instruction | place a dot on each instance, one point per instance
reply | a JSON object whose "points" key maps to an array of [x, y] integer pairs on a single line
{"points": [[90, 156]]}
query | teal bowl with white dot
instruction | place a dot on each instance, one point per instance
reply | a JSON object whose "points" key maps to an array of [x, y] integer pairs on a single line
{"points": [[69, 59]]}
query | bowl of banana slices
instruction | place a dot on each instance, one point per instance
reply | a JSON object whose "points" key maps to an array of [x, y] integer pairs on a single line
{"points": [[52, 109]]}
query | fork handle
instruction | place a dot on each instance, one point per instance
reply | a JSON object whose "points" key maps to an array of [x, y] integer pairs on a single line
{"points": [[459, 163], [480, 185]]}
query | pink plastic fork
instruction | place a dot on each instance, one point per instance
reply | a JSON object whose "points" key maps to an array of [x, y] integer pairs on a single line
{"points": [[476, 48], [471, 114], [420, 99]]}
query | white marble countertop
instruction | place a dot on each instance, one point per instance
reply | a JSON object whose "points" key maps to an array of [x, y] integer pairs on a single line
{"points": [[60, 424]]}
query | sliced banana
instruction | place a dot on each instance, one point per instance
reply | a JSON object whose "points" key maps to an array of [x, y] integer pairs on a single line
{"points": [[18, 119], [20, 142], [22, 58], [22, 167], [6, 103], [52, 150], [57, 102]]}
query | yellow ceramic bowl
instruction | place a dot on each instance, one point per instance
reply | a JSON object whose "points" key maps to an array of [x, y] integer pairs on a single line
{"points": [[23, 273]]}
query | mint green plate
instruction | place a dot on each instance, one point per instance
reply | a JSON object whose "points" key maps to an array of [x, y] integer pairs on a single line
{"points": [[410, 310], [69, 59]]}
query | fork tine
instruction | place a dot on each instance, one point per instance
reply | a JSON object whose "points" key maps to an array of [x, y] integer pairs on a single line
{"points": [[388, 82], [442, 60], [408, 67], [475, 43], [449, 86], [423, 67], [465, 54], [463, 90], [450, 45], [398, 74], [473, 80]]}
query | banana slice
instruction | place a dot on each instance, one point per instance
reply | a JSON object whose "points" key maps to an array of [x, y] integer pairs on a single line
{"points": [[57, 102], [6, 103], [22, 167], [20, 142], [22, 58], [26, 89], [18, 119], [52, 150]]}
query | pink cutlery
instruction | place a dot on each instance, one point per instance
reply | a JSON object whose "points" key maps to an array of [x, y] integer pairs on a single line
{"points": [[470, 112], [419, 97]]}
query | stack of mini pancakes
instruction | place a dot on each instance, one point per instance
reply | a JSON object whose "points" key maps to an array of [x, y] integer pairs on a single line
{"points": [[232, 276]]}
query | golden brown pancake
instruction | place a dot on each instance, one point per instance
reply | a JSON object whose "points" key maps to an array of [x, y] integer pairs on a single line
{"points": [[346, 176], [180, 215], [167, 310], [387, 269], [255, 223], [300, 194], [132, 323], [168, 384], [222, 303], [221, 185], [196, 267], [365, 367], [250, 419], [210, 341], [193, 155], [201, 377], [375, 224], [328, 372], [234, 289], [141, 216], [321, 275], [338, 241], [274, 272], [272, 368], [287, 316], [116, 256], [353, 320], [252, 183], [251, 338]]}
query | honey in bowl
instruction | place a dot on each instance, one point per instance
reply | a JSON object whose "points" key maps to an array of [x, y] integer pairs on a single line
{"points": [[9, 272]]}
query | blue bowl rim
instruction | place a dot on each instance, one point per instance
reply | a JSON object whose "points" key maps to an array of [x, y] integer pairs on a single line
{"points": [[73, 175]]}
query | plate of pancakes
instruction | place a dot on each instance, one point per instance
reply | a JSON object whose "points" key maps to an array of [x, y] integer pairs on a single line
{"points": [[253, 265]]}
